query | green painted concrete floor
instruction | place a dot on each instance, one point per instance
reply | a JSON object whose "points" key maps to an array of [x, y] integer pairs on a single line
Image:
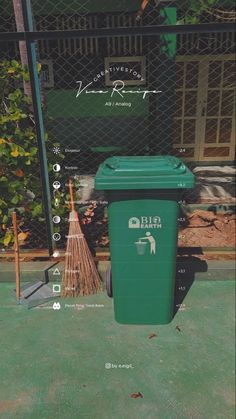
{"points": [[53, 362]]}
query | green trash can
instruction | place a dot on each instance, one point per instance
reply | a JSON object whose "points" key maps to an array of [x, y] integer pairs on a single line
{"points": [[143, 194]]}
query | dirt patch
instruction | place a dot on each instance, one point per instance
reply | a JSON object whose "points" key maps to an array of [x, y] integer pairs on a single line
{"points": [[24, 399], [207, 229]]}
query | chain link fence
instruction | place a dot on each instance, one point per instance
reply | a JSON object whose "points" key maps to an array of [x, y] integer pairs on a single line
{"points": [[132, 95], [20, 180]]}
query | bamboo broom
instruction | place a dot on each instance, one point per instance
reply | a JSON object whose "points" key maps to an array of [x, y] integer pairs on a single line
{"points": [[80, 274]]}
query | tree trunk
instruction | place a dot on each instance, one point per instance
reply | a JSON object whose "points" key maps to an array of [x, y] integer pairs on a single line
{"points": [[22, 44]]}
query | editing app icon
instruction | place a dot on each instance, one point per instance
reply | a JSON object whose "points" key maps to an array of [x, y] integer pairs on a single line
{"points": [[56, 254], [56, 219], [56, 150], [56, 184], [56, 306], [56, 288], [56, 167], [56, 237]]}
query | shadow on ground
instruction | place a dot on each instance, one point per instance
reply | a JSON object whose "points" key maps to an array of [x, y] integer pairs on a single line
{"points": [[186, 268]]}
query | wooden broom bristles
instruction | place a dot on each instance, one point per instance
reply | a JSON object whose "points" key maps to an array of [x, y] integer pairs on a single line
{"points": [[80, 273]]}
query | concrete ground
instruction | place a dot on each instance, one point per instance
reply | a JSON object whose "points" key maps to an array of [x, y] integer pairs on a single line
{"points": [[77, 362]]}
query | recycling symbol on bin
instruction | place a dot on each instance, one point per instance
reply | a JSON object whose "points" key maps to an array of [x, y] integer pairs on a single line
{"points": [[134, 222]]}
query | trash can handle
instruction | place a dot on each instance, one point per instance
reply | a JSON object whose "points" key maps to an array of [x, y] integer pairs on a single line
{"points": [[112, 166], [178, 163]]}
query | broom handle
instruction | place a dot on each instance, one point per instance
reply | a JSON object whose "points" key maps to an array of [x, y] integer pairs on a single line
{"points": [[72, 204], [17, 255]]}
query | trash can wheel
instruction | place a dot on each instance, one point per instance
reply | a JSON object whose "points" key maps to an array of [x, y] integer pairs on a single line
{"points": [[109, 282]]}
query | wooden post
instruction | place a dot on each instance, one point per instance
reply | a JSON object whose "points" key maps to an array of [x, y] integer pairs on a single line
{"points": [[17, 256], [22, 44]]}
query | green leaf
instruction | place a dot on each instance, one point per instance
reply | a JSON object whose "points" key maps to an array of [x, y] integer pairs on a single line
{"points": [[7, 238], [26, 77], [33, 151], [11, 70], [15, 199], [15, 64], [3, 203], [15, 184], [37, 210], [5, 219]]}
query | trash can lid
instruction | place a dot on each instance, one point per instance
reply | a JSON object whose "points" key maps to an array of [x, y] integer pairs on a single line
{"points": [[143, 172]]}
